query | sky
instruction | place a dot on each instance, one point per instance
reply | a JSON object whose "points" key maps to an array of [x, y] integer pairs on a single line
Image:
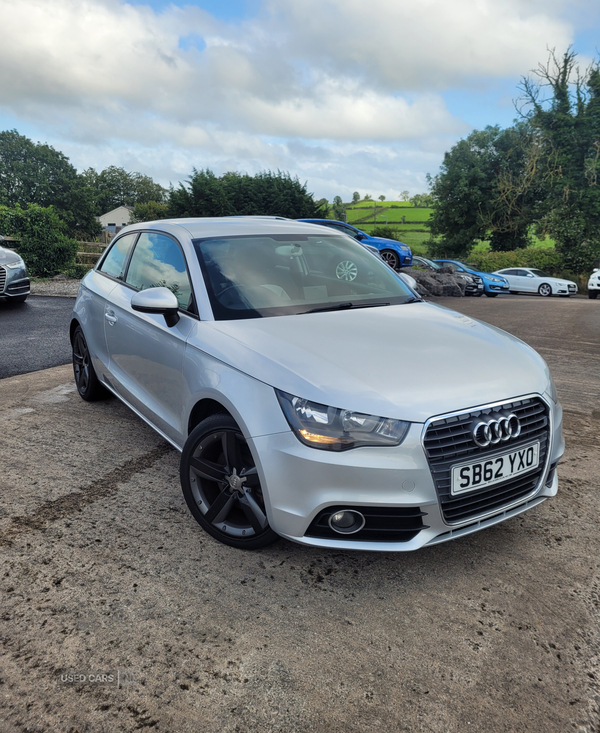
{"points": [[347, 95]]}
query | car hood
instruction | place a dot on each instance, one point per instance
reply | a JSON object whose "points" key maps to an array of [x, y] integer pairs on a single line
{"points": [[7, 256], [383, 242], [408, 361]]}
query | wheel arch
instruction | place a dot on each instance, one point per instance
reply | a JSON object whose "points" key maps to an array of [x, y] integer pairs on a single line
{"points": [[72, 326], [205, 408]]}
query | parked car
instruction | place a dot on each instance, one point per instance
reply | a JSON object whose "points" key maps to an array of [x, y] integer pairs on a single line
{"points": [[532, 280], [473, 283], [594, 284], [14, 283], [396, 254], [493, 284], [240, 344]]}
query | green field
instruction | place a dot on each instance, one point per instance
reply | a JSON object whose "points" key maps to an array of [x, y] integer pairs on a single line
{"points": [[388, 211]]}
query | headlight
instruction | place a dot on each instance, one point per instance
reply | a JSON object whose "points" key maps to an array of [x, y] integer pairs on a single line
{"points": [[14, 265], [331, 428], [495, 279]]}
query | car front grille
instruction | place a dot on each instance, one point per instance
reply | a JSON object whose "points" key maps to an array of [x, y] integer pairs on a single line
{"points": [[2, 278], [382, 524], [449, 441]]}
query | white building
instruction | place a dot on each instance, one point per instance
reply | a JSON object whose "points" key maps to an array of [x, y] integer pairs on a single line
{"points": [[116, 219]]}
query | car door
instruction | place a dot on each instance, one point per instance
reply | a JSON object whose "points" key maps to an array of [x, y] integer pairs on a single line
{"points": [[512, 277], [146, 355], [527, 282], [98, 287]]}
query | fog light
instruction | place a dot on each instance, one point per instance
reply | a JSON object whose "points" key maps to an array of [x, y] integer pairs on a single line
{"points": [[347, 521]]}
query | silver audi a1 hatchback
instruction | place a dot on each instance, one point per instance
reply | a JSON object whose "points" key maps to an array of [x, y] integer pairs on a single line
{"points": [[310, 391]]}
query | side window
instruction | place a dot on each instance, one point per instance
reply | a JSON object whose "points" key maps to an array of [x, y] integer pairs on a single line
{"points": [[114, 262], [157, 261]]}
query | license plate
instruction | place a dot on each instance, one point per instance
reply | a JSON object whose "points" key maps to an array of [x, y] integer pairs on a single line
{"points": [[495, 469]]}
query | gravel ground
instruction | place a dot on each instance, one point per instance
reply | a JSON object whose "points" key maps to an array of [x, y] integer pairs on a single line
{"points": [[103, 572], [62, 287]]}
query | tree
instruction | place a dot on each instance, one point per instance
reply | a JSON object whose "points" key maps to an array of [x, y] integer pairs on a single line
{"points": [[483, 191], [404, 196], [149, 211], [339, 210], [381, 198], [115, 187], [424, 200], [562, 105], [355, 197], [368, 197], [33, 173], [267, 193]]}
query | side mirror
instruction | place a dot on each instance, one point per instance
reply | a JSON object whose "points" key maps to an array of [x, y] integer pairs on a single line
{"points": [[360, 237], [160, 301]]}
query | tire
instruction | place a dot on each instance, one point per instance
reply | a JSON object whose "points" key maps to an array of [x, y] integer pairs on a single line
{"points": [[86, 381], [391, 258], [545, 290], [592, 294], [492, 295], [215, 457]]}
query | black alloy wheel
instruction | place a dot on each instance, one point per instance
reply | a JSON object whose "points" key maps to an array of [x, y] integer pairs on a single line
{"points": [[391, 258], [86, 381], [221, 485]]}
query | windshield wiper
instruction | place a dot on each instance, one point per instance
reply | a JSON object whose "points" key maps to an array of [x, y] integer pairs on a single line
{"points": [[413, 299], [346, 306]]}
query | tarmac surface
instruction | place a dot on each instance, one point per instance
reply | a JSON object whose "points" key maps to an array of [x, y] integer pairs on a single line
{"points": [[105, 575]]}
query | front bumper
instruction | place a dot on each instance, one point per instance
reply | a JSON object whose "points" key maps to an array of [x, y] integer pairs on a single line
{"points": [[305, 485], [13, 282], [594, 284], [496, 288]]}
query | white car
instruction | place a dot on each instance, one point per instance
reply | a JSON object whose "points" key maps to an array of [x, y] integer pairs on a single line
{"points": [[336, 412], [594, 284], [14, 283], [531, 280]]}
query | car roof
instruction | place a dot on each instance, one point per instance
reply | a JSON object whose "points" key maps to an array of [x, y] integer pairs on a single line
{"points": [[329, 221], [202, 227]]}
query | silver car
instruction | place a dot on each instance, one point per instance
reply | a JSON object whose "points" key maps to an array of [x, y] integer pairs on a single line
{"points": [[14, 283], [333, 412]]}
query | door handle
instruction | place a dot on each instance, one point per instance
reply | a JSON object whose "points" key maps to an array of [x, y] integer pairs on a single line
{"points": [[110, 317]]}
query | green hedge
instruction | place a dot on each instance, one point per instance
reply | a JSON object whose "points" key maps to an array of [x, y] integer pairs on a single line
{"points": [[544, 259], [43, 244]]}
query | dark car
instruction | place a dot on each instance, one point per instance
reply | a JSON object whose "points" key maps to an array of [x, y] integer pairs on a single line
{"points": [[473, 283], [492, 284], [396, 254]]}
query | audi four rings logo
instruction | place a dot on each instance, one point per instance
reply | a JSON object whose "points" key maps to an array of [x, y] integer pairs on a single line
{"points": [[493, 432]]}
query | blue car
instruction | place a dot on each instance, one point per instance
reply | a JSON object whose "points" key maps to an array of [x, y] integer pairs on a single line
{"points": [[396, 254], [493, 285]]}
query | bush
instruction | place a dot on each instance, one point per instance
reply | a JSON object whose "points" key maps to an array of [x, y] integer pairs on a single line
{"points": [[43, 244], [385, 231], [544, 259]]}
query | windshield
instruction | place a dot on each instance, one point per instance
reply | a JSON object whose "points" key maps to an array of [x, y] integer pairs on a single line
{"points": [[274, 275], [539, 273]]}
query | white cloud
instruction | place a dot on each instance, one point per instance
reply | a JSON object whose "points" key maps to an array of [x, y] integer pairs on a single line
{"points": [[179, 85]]}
